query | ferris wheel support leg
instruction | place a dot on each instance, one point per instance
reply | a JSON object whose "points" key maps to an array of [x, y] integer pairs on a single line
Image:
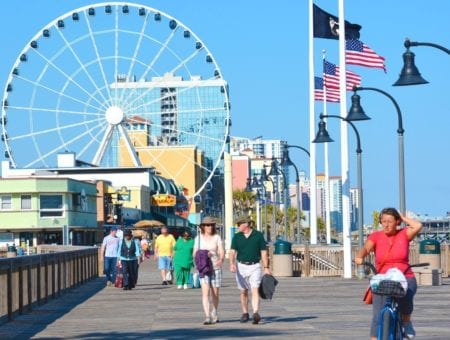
{"points": [[103, 146], [129, 145]]}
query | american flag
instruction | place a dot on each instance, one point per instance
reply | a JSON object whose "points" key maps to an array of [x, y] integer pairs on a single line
{"points": [[331, 77], [331, 94], [358, 53]]}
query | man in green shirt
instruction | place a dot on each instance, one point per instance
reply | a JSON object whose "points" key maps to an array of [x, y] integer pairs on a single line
{"points": [[248, 248]]}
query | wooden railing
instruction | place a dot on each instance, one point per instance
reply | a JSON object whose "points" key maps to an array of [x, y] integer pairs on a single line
{"points": [[328, 260], [27, 281]]}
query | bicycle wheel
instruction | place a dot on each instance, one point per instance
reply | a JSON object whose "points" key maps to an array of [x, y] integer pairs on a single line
{"points": [[386, 322], [398, 334]]}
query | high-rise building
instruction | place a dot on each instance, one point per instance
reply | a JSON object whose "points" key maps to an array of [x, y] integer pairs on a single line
{"points": [[335, 197]]}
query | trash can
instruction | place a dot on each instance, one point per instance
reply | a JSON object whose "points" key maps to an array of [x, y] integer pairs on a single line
{"points": [[11, 251], [430, 251], [282, 258]]}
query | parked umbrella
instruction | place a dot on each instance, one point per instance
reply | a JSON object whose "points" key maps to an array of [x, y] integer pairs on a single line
{"points": [[148, 224]]}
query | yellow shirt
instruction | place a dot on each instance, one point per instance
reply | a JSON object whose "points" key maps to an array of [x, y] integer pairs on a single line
{"points": [[165, 245]]}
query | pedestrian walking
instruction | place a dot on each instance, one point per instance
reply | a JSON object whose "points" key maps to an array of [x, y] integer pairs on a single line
{"points": [[163, 253], [108, 254], [248, 250], [128, 254], [183, 259], [210, 243]]}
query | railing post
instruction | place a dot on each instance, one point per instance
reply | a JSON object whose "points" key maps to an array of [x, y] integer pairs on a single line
{"points": [[9, 290], [46, 277], [29, 287], [59, 273], [53, 277], [20, 268], [38, 281], [307, 261]]}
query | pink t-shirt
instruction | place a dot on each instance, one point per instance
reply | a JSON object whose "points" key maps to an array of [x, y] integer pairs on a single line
{"points": [[398, 256]]}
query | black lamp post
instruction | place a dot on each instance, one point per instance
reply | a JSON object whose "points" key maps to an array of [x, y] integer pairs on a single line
{"points": [[264, 178], [410, 74], [356, 112], [276, 171], [323, 137], [253, 184], [285, 162]]}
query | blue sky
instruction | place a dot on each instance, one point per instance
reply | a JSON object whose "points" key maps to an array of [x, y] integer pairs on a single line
{"points": [[262, 49]]}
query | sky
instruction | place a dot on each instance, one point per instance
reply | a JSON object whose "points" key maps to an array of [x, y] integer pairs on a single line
{"points": [[262, 50]]}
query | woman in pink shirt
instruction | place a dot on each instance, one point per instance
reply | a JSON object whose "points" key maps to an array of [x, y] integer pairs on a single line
{"points": [[391, 248]]}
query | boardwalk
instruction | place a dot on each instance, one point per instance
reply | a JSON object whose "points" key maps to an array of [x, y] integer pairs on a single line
{"points": [[303, 308]]}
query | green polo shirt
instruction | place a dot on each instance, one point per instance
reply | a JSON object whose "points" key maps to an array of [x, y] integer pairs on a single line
{"points": [[248, 248]]}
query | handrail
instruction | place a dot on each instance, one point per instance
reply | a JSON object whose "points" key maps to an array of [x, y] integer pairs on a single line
{"points": [[32, 279]]}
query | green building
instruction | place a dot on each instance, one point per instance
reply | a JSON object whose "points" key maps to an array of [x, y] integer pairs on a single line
{"points": [[41, 210]]}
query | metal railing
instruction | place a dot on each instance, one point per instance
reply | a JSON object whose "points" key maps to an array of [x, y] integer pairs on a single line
{"points": [[313, 261], [27, 281]]}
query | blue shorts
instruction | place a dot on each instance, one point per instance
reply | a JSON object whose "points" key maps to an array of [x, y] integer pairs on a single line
{"points": [[164, 262]]}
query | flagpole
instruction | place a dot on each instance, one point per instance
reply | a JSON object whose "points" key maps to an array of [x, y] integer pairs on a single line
{"points": [[327, 174], [344, 150], [312, 146]]}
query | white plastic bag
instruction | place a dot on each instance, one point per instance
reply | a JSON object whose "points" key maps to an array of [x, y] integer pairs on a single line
{"points": [[169, 275], [393, 274]]}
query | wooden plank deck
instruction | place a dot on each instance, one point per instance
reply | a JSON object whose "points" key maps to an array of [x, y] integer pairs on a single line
{"points": [[302, 308]]}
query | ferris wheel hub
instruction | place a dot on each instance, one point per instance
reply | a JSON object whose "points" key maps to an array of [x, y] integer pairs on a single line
{"points": [[114, 115]]}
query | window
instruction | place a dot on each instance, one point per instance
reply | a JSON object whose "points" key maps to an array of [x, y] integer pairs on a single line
{"points": [[51, 206], [25, 202], [5, 203]]}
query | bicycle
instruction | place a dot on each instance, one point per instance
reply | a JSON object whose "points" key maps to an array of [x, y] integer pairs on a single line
{"points": [[389, 321]]}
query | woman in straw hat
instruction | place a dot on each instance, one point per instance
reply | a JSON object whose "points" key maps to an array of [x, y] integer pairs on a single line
{"points": [[209, 240]]}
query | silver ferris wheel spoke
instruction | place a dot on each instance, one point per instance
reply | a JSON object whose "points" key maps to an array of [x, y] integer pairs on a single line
{"points": [[137, 108], [116, 53], [28, 108], [68, 77], [199, 136], [159, 99], [56, 92], [42, 158], [156, 57], [94, 44], [47, 131], [182, 63], [136, 50], [92, 141], [77, 58]]}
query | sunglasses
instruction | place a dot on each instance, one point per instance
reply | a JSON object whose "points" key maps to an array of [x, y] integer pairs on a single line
{"points": [[208, 225]]}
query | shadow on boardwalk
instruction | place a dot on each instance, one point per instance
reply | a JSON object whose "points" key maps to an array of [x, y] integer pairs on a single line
{"points": [[312, 308]]}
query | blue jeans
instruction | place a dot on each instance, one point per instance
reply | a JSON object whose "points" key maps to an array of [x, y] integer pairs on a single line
{"points": [[110, 268]]}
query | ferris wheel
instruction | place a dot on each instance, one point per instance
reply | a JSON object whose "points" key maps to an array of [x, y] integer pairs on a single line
{"points": [[117, 84]]}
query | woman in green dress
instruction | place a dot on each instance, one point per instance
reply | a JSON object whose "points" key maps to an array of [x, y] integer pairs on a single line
{"points": [[183, 260]]}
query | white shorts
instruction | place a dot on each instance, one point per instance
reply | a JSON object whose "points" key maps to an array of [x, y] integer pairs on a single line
{"points": [[248, 276], [215, 280]]}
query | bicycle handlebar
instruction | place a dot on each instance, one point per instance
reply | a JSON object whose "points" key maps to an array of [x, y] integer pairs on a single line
{"points": [[374, 270]]}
